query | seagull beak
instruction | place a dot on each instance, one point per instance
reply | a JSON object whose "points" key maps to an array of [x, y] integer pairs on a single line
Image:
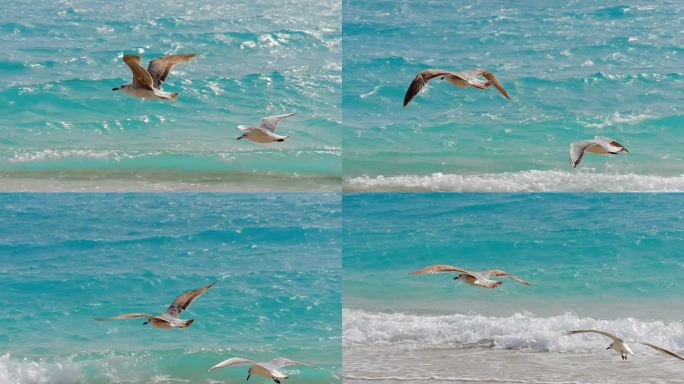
{"points": [[456, 278], [116, 89], [608, 347], [239, 138], [147, 322], [248, 375]]}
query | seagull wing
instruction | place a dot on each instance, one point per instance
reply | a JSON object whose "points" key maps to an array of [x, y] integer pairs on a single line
{"points": [[140, 76], [611, 336], [438, 268], [272, 122], [182, 301], [500, 273], [280, 362], [233, 361], [485, 282], [577, 151], [663, 350], [495, 82], [609, 144], [160, 67], [419, 82], [125, 316]]}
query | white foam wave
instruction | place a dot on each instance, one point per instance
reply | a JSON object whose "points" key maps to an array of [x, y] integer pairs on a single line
{"points": [[54, 154], [521, 331], [524, 181], [616, 119], [24, 371]]}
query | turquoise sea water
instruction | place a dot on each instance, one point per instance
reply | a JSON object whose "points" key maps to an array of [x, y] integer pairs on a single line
{"points": [[63, 124], [574, 70], [602, 261], [66, 258]]}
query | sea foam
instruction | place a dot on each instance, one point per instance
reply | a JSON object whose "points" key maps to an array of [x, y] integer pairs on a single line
{"points": [[524, 181], [520, 331]]}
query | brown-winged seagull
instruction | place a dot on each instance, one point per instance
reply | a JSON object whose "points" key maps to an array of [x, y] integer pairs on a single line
{"points": [[147, 84], [170, 318], [479, 279], [621, 347], [600, 145], [269, 369], [470, 78], [265, 132]]}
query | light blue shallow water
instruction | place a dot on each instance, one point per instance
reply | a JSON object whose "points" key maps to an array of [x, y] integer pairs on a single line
{"points": [[602, 261], [255, 58], [66, 258], [574, 70]]}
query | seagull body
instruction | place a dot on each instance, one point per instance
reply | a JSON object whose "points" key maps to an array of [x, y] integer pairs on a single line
{"points": [[265, 132], [599, 145], [147, 83], [471, 78], [269, 369], [478, 279], [170, 318], [621, 347]]}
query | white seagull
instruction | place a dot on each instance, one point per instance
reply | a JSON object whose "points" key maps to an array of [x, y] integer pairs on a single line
{"points": [[147, 83], [479, 279], [470, 78], [600, 145], [170, 318], [621, 347], [269, 369], [265, 132]]}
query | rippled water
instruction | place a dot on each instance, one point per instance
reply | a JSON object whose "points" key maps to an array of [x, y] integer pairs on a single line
{"points": [[63, 124], [67, 258], [574, 70], [597, 261]]}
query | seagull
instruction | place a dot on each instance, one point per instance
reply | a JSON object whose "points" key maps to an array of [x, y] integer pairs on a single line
{"points": [[170, 318], [269, 369], [265, 132], [147, 83], [621, 347], [466, 79], [600, 145], [479, 279]]}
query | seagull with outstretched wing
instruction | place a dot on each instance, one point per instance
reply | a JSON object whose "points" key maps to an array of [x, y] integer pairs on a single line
{"points": [[473, 78]]}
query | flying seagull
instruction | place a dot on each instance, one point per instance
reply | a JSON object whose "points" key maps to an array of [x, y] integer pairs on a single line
{"points": [[600, 145], [265, 132], [269, 369], [479, 279], [621, 347], [470, 78], [147, 84], [170, 318]]}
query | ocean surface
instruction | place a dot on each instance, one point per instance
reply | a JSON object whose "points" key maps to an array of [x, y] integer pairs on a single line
{"points": [[605, 261], [66, 258], [64, 126], [574, 70]]}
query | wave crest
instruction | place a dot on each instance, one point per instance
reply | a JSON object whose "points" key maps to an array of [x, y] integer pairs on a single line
{"points": [[33, 372], [525, 181], [520, 331]]}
